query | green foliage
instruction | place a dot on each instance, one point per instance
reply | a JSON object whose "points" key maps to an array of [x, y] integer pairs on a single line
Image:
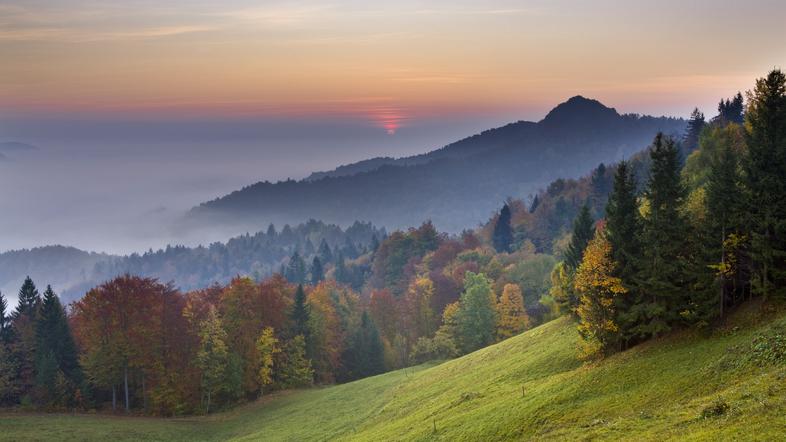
{"points": [[317, 272], [439, 347], [296, 269], [476, 318], [583, 231], [295, 370], [212, 358]]}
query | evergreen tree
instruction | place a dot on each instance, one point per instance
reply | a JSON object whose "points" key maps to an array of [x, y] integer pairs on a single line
{"points": [[663, 236], [534, 205], [695, 125], [765, 166], [325, 254], [317, 272], [583, 231], [374, 243], [28, 300], [296, 269], [477, 316], [56, 352], [5, 320], [364, 355], [300, 314], [731, 111], [502, 238]]}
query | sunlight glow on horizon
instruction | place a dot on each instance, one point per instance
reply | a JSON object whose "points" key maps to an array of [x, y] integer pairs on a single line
{"points": [[390, 63]]}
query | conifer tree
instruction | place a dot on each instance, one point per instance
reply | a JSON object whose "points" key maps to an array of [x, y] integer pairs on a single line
{"points": [[695, 125], [663, 236], [296, 269], [317, 272], [765, 166], [364, 355], [502, 237], [583, 231], [325, 254], [5, 320], [56, 352], [28, 300], [300, 314]]}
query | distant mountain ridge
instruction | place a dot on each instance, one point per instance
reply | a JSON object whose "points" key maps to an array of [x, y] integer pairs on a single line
{"points": [[456, 186]]}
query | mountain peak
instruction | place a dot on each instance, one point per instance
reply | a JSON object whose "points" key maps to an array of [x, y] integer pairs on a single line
{"points": [[579, 109]]}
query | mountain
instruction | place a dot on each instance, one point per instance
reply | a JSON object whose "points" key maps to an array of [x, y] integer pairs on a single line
{"points": [[457, 186], [683, 386], [72, 272]]}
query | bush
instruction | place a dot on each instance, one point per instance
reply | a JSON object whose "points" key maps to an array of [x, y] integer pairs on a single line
{"points": [[719, 407], [769, 348], [440, 346]]}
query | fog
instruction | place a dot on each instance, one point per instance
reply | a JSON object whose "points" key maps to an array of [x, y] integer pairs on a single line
{"points": [[120, 186]]}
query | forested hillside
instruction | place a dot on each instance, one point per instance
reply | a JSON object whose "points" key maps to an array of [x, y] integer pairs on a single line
{"points": [[457, 186]]}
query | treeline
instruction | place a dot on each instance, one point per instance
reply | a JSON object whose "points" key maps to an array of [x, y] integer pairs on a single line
{"points": [[703, 235]]}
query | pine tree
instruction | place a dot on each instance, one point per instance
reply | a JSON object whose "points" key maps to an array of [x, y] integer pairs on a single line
{"points": [[477, 315], [56, 352], [731, 111], [325, 254], [663, 276], [5, 321], [583, 231], [317, 272], [364, 355], [695, 125], [296, 269], [28, 300], [502, 238], [764, 167], [300, 314]]}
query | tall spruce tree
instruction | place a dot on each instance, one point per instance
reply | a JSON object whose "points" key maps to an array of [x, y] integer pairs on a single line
{"points": [[29, 299], [502, 237], [300, 314], [583, 231], [317, 272], [54, 336], [764, 167], [664, 234], [696, 124], [324, 252], [296, 269], [731, 111], [5, 321], [623, 232]]}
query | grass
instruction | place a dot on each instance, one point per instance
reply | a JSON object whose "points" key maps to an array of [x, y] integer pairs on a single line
{"points": [[685, 386]]}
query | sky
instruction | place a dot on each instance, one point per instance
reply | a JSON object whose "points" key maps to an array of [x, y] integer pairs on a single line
{"points": [[141, 109]]}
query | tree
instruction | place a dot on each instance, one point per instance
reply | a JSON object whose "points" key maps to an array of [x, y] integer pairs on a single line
{"points": [[5, 321], [477, 316], [324, 252], [512, 318], [212, 357], [598, 290], [316, 271], [299, 314], [295, 370], [267, 346], [664, 233], [731, 111], [417, 316], [365, 354], [583, 230], [696, 124], [28, 300], [56, 353], [296, 269], [764, 169], [502, 237]]}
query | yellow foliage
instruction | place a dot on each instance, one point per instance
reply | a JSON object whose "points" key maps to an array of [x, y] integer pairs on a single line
{"points": [[512, 318]]}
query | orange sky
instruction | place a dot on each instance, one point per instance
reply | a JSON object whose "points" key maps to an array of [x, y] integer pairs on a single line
{"points": [[389, 61]]}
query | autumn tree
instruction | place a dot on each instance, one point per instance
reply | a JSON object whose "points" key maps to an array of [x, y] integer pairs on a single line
{"points": [[598, 290], [212, 357], [512, 318], [267, 346], [295, 369], [418, 318]]}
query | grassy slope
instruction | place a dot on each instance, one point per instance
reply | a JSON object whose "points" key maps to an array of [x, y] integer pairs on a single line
{"points": [[653, 392]]}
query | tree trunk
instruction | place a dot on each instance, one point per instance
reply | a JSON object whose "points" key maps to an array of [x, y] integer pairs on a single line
{"points": [[722, 277], [144, 393], [207, 408], [114, 398], [125, 382]]}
